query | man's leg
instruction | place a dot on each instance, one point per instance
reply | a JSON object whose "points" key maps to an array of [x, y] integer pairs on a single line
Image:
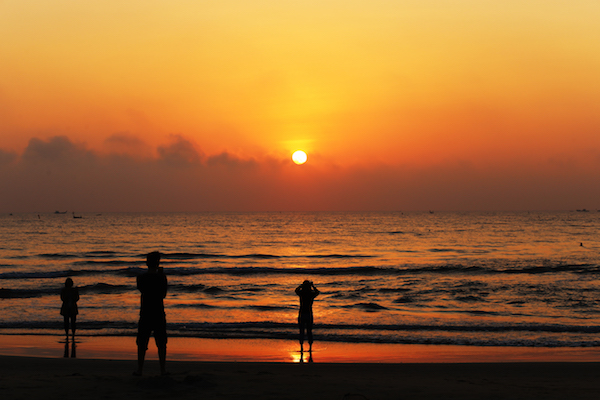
{"points": [[309, 325], [160, 337], [301, 327], [162, 358], [142, 344]]}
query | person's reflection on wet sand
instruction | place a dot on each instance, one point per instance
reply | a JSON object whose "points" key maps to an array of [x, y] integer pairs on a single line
{"points": [[73, 349], [310, 356]]}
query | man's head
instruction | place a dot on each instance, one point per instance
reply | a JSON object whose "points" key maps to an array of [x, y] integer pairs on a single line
{"points": [[153, 260]]}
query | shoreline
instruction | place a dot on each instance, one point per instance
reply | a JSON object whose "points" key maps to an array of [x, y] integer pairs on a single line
{"points": [[286, 351]]}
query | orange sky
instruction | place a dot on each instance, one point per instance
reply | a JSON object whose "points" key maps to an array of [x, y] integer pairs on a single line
{"points": [[460, 105]]}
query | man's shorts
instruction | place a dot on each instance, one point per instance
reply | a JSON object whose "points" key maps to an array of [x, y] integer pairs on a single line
{"points": [[147, 326]]}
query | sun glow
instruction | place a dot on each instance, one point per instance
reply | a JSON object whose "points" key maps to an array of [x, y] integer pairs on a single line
{"points": [[299, 157]]}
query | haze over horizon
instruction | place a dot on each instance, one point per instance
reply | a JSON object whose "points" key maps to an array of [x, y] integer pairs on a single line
{"points": [[400, 105]]}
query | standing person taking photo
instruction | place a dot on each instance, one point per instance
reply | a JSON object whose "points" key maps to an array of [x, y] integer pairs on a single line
{"points": [[307, 293], [152, 285]]}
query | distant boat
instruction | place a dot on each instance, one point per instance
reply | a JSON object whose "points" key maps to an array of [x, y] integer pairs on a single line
{"points": [[77, 216], [60, 212], [583, 210]]}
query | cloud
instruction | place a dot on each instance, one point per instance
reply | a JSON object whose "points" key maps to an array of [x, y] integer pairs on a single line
{"points": [[180, 152], [124, 143], [58, 174], [7, 158], [228, 160], [57, 150]]}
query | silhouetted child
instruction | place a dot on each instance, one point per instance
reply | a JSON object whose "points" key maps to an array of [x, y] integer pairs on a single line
{"points": [[69, 296], [307, 293], [153, 287]]}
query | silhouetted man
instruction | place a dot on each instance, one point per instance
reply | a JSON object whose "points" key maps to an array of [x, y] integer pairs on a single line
{"points": [[307, 293], [153, 287]]}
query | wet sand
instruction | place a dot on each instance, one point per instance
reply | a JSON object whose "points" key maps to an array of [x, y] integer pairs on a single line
{"points": [[269, 350]]}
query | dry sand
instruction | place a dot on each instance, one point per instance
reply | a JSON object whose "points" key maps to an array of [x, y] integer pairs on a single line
{"points": [[67, 378]]}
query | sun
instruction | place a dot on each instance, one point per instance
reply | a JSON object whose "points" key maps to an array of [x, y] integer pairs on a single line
{"points": [[299, 157]]}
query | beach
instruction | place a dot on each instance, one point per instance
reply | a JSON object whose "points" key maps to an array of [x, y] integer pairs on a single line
{"points": [[271, 369], [411, 306]]}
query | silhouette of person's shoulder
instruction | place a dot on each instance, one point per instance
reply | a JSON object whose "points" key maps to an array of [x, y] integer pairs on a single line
{"points": [[152, 277]]}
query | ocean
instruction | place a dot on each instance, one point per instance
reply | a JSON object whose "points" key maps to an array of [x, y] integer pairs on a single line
{"points": [[470, 279]]}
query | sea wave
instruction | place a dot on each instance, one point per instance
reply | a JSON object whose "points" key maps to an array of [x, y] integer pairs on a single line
{"points": [[365, 270], [99, 288], [138, 258], [541, 335]]}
